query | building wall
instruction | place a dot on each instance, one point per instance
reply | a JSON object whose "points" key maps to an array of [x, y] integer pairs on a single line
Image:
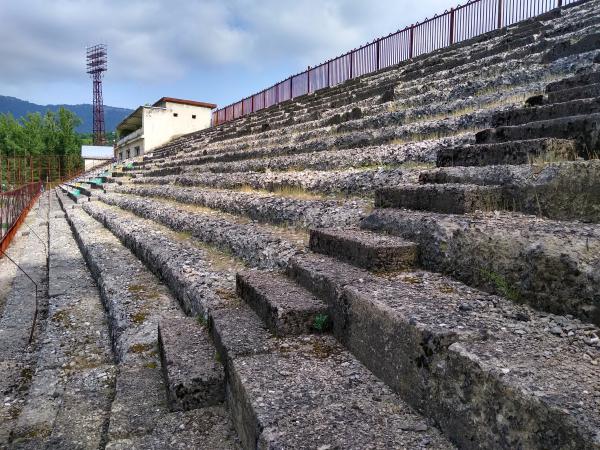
{"points": [[135, 148], [162, 125]]}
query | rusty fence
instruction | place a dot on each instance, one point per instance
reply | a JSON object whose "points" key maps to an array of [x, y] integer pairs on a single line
{"points": [[14, 206], [22, 180], [464, 22], [21, 170]]}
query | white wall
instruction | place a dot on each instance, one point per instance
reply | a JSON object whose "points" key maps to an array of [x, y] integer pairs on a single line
{"points": [[161, 125], [131, 146]]}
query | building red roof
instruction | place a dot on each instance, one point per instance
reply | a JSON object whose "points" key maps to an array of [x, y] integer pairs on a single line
{"points": [[185, 102]]}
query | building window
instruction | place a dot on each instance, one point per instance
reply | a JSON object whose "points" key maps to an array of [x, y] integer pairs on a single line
{"points": [[120, 155], [175, 114], [137, 151], [128, 153], [193, 116]]}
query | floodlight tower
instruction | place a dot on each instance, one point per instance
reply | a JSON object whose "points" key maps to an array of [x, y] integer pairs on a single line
{"points": [[96, 65]]}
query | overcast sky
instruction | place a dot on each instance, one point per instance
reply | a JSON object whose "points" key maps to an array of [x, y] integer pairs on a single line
{"points": [[209, 50]]}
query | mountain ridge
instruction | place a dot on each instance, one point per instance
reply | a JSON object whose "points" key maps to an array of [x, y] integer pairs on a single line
{"points": [[19, 108]]}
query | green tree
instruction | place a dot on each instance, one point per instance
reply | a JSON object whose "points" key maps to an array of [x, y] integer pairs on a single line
{"points": [[52, 134]]}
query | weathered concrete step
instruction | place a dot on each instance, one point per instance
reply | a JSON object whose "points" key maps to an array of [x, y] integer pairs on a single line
{"points": [[515, 152], [579, 107], [583, 128], [288, 392], [491, 373], [261, 206], [259, 245], [567, 95], [574, 82], [285, 307], [586, 43], [94, 183], [69, 401], [204, 428], [443, 198], [84, 190], [193, 376], [548, 264], [140, 416], [310, 392], [135, 323], [560, 191], [119, 174], [371, 251], [18, 304], [74, 194]]}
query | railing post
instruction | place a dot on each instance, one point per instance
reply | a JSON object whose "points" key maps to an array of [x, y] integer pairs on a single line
{"points": [[500, 12], [451, 26], [560, 3], [351, 63], [377, 52], [308, 80], [411, 40], [252, 103]]}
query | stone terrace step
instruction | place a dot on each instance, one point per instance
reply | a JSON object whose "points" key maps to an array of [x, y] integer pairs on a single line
{"points": [[259, 245], [492, 374], [361, 125], [550, 265], [140, 416], [84, 190], [285, 307], [261, 206], [574, 82], [69, 400], [579, 107], [561, 191], [587, 91], [309, 392], [193, 376], [444, 198], [515, 152], [584, 128], [17, 309], [305, 391], [74, 194], [348, 182], [455, 58], [372, 251]]}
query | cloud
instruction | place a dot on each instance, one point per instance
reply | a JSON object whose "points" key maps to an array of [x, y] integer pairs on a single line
{"points": [[155, 41]]}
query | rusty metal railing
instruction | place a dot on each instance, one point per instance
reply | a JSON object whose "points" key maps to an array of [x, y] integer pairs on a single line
{"points": [[464, 22], [16, 171], [14, 206]]}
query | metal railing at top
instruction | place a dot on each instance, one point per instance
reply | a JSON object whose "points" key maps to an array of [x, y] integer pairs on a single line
{"points": [[461, 23]]}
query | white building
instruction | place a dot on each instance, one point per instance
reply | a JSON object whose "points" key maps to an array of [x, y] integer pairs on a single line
{"points": [[149, 127], [95, 155]]}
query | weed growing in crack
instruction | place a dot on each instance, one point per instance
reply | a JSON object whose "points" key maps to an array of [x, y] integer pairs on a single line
{"points": [[202, 320], [502, 285], [321, 322]]}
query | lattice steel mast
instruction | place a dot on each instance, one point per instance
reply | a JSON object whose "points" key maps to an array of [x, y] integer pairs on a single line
{"points": [[97, 64]]}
